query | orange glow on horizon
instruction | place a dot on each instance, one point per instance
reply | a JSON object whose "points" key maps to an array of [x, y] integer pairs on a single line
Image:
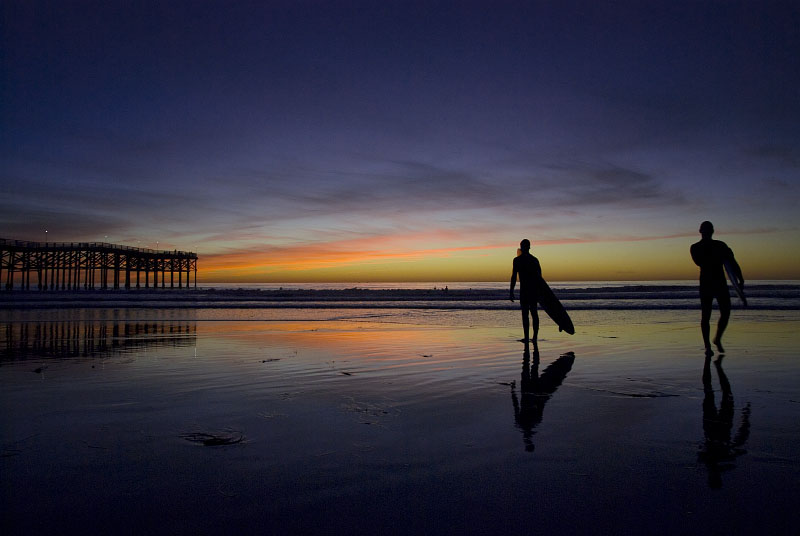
{"points": [[394, 258]]}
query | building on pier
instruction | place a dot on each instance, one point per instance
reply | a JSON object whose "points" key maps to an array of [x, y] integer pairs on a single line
{"points": [[92, 265]]}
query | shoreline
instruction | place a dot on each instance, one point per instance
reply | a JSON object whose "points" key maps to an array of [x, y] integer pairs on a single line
{"points": [[768, 296]]}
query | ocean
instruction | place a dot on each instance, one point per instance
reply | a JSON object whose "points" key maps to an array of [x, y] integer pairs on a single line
{"points": [[613, 295]]}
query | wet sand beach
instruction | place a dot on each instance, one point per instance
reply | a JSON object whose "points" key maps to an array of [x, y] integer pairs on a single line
{"points": [[395, 421]]}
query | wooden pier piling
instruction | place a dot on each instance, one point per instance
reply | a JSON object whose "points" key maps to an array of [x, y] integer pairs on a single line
{"points": [[89, 266]]}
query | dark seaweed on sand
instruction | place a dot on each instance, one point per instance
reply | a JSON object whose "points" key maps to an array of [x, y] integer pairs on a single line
{"points": [[214, 440]]}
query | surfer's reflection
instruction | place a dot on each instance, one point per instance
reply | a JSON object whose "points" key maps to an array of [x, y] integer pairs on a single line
{"points": [[536, 390], [718, 451]]}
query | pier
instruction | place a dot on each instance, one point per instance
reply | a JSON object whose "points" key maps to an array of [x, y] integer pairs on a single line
{"points": [[92, 265]]}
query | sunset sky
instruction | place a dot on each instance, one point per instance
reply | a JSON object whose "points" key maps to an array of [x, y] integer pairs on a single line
{"points": [[406, 141]]}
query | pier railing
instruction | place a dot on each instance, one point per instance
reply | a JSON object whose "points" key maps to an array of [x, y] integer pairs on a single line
{"points": [[91, 265]]}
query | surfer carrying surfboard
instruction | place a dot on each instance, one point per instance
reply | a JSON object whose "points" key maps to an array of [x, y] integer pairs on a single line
{"points": [[714, 257], [527, 267]]}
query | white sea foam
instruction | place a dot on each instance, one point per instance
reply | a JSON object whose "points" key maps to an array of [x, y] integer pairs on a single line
{"points": [[665, 295]]}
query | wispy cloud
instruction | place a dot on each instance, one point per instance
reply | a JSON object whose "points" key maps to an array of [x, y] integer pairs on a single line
{"points": [[785, 155], [62, 225]]}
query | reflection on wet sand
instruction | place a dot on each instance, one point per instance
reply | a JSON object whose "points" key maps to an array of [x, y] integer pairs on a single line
{"points": [[84, 339], [718, 451], [536, 390]]}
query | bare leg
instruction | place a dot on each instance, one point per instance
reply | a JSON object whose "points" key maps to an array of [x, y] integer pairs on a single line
{"points": [[705, 320], [525, 328], [535, 322], [724, 315], [724, 302]]}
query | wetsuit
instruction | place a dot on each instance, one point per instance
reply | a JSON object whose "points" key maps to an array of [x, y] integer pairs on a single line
{"points": [[527, 267], [710, 255]]}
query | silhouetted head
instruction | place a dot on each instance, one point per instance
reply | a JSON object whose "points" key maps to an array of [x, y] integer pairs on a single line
{"points": [[525, 245], [706, 229]]}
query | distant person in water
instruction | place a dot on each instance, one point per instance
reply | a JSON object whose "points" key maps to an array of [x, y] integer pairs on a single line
{"points": [[711, 255], [526, 266]]}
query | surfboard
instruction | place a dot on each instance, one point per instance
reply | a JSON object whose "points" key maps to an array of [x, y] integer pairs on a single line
{"points": [[735, 282], [554, 309]]}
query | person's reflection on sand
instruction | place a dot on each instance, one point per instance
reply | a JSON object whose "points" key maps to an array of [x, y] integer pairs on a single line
{"points": [[536, 390], [718, 451]]}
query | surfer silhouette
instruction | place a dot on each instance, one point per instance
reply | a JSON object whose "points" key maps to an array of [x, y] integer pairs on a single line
{"points": [[719, 452], [711, 256], [527, 268], [535, 391]]}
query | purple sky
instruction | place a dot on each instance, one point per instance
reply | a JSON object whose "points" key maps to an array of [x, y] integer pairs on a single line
{"points": [[283, 126]]}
